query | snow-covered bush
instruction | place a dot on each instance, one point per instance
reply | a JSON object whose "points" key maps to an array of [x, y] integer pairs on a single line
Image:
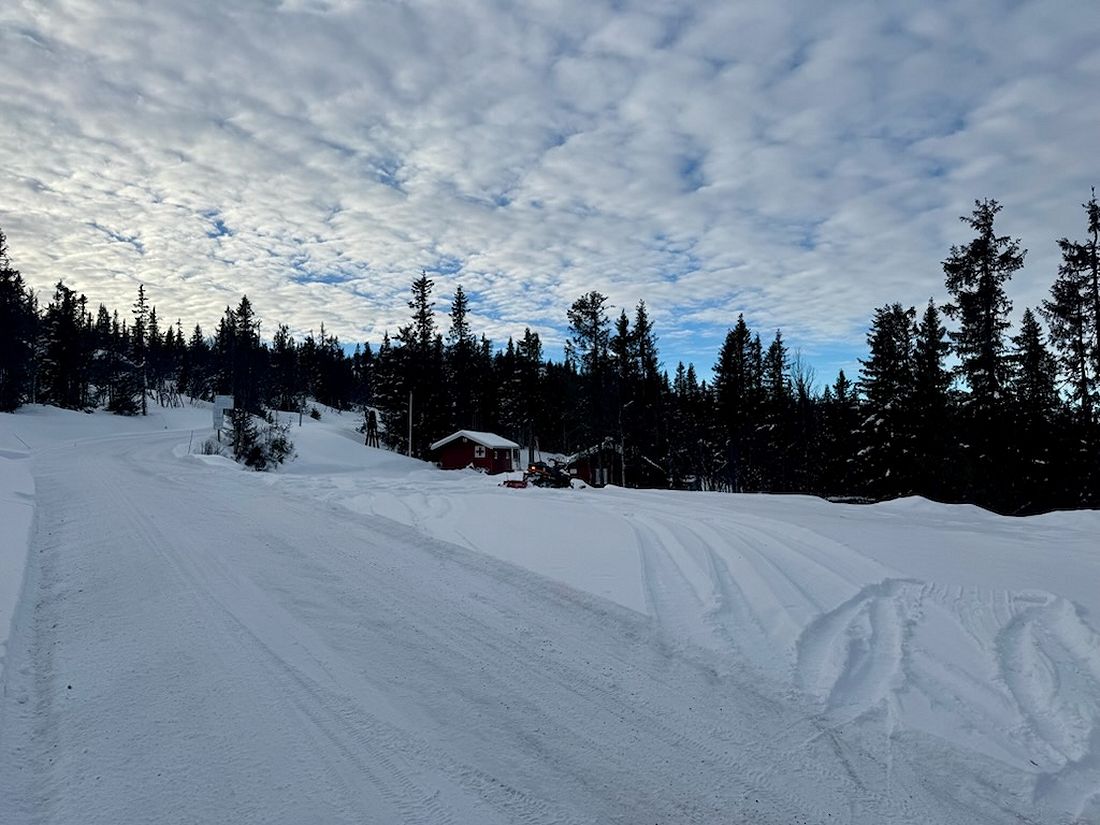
{"points": [[260, 447], [211, 447]]}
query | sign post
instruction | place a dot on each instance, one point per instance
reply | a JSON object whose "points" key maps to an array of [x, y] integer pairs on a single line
{"points": [[222, 405]]}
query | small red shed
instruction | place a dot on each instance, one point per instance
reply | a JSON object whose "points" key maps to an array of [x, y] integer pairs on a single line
{"points": [[469, 448]]}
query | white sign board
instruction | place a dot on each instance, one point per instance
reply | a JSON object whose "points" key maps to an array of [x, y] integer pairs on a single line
{"points": [[222, 405]]}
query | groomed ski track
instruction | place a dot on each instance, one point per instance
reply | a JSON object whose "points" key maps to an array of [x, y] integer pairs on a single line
{"points": [[199, 647]]}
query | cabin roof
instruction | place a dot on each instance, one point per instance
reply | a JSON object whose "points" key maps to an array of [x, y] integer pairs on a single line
{"points": [[490, 440]]}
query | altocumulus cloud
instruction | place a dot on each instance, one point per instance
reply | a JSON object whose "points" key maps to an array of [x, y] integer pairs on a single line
{"points": [[800, 162]]}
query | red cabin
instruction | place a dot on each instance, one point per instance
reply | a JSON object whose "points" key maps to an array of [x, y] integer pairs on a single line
{"points": [[484, 451]]}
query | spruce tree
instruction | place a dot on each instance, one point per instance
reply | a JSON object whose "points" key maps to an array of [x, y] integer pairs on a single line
{"points": [[389, 392], [1028, 485], [646, 425], [530, 374], [623, 394], [1073, 312], [1034, 371], [930, 406], [363, 375], [695, 461], [66, 350], [246, 357], [776, 421], [1067, 313], [486, 398], [126, 377], [309, 366], [506, 376], [976, 274], [589, 330], [805, 428], [588, 346], [17, 324], [680, 430], [886, 454], [460, 352], [418, 368], [841, 419], [155, 357], [196, 373], [283, 388], [459, 332], [138, 345], [103, 357], [421, 332], [737, 403], [623, 354]]}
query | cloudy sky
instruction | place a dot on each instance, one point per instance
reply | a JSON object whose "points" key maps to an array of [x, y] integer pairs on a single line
{"points": [[801, 162]]}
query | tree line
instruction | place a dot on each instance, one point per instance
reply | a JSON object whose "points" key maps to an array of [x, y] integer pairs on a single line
{"points": [[948, 403]]}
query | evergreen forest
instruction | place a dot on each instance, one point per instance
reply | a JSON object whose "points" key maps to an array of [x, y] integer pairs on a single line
{"points": [[953, 402]]}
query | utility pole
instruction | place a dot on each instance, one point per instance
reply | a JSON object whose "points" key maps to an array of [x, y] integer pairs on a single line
{"points": [[410, 448], [622, 444]]}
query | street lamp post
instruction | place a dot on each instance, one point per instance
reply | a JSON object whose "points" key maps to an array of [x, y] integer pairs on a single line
{"points": [[622, 444]]}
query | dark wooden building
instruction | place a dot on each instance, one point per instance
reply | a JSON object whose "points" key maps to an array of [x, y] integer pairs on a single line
{"points": [[598, 465], [483, 451]]}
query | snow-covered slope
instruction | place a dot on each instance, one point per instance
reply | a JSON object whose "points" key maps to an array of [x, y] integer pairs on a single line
{"points": [[361, 637]]}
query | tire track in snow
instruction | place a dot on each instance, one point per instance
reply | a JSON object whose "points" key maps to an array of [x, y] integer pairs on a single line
{"points": [[369, 747], [398, 797], [1050, 661], [670, 597], [785, 596], [724, 619], [358, 801], [852, 655], [861, 660]]}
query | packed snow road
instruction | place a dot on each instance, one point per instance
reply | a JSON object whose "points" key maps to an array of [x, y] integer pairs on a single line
{"points": [[201, 645]]}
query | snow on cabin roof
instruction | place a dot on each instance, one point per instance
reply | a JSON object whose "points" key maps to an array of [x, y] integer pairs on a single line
{"points": [[608, 444], [490, 440]]}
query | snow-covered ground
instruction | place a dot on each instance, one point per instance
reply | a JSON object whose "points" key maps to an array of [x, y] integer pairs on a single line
{"points": [[362, 638], [17, 518]]}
